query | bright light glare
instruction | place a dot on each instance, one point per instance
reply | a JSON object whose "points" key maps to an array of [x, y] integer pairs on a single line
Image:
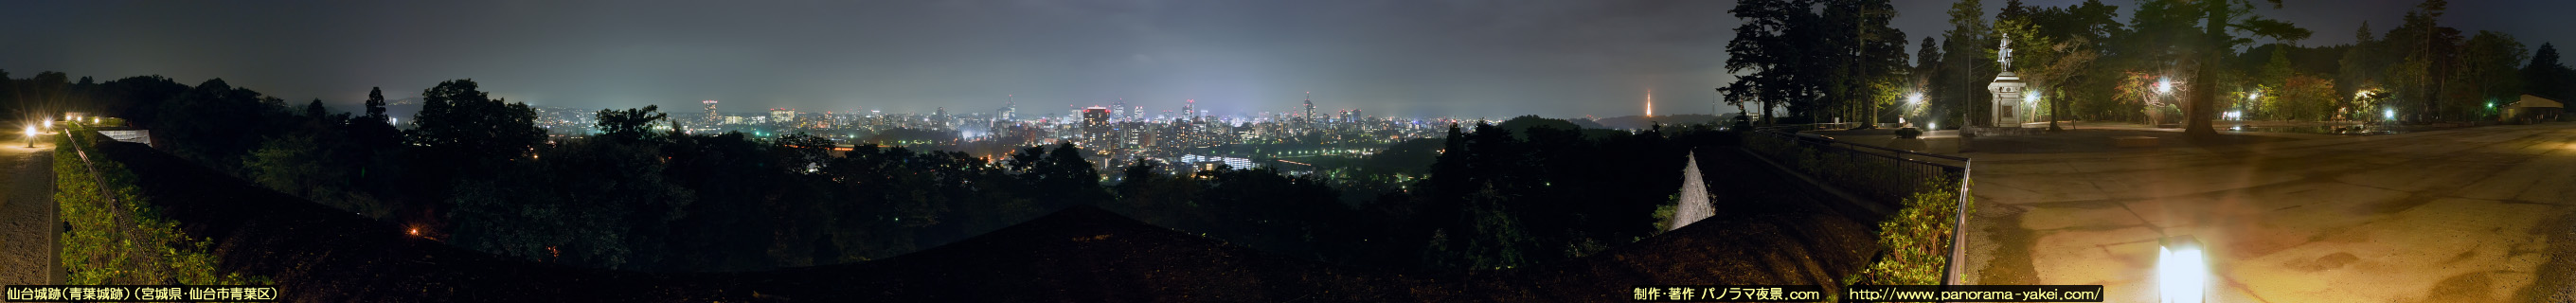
{"points": [[2182, 272], [2389, 114], [2164, 86]]}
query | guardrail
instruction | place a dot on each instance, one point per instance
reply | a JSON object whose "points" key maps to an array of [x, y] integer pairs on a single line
{"points": [[1875, 174]]}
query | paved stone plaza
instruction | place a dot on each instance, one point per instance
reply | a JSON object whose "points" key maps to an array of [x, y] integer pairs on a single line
{"points": [[2464, 215]]}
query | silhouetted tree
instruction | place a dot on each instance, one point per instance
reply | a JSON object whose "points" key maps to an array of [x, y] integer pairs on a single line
{"points": [[460, 123]]}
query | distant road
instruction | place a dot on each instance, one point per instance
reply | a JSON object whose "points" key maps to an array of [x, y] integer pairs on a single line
{"points": [[27, 220]]}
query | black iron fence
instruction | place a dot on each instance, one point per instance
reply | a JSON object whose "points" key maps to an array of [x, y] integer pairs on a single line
{"points": [[1874, 174]]}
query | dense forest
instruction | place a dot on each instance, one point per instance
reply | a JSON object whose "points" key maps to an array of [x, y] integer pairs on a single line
{"points": [[474, 171]]}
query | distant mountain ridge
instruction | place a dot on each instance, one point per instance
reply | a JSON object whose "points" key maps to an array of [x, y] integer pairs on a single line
{"points": [[1642, 122]]}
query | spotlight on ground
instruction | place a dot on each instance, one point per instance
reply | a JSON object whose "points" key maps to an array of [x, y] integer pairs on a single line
{"points": [[2182, 271]]}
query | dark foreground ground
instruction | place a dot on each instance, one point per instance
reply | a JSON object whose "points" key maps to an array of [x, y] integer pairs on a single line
{"points": [[319, 254]]}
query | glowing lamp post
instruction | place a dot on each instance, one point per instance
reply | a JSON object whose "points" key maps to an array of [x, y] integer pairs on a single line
{"points": [[2182, 270], [31, 136]]}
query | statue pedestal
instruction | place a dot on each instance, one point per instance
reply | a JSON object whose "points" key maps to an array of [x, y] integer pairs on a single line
{"points": [[2006, 109]]}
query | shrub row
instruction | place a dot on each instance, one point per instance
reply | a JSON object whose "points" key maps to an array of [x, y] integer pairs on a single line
{"points": [[114, 236]]}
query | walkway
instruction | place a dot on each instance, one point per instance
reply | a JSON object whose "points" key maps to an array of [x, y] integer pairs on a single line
{"points": [[27, 222]]}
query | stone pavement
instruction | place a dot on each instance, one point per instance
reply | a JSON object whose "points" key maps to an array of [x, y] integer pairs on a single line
{"points": [[27, 220], [2465, 215]]}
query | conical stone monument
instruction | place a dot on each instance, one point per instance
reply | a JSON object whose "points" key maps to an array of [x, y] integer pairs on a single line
{"points": [[1694, 197]]}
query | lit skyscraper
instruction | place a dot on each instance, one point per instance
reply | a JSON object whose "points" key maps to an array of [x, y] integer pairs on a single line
{"points": [[1095, 121], [1118, 110], [1310, 106], [712, 118]]}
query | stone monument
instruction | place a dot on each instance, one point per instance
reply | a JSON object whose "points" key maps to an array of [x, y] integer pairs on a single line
{"points": [[1693, 198]]}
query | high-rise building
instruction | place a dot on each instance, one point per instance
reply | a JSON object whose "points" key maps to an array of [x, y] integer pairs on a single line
{"points": [[1310, 107], [1095, 121], [1011, 109], [782, 115], [940, 117], [1118, 110], [711, 112], [1189, 108]]}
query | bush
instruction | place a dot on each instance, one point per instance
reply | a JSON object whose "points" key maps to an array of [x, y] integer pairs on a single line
{"points": [[1917, 240], [125, 240], [1908, 133]]}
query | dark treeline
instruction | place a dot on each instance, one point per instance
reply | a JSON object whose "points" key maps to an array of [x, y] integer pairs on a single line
{"points": [[476, 172], [2170, 62]]}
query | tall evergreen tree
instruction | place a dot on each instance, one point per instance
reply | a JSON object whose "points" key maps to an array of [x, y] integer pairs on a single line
{"points": [[1767, 46], [1864, 54], [1970, 63], [2546, 77], [2219, 19]]}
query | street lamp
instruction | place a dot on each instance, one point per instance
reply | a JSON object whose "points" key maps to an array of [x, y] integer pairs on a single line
{"points": [[2182, 270], [31, 136]]}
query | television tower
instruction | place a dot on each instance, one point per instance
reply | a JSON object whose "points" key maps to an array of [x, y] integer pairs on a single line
{"points": [[1650, 103]]}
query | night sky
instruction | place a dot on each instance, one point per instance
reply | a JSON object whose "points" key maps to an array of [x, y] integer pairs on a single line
{"points": [[1405, 58]]}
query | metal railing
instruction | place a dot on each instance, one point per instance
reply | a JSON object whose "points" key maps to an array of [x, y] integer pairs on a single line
{"points": [[1874, 174]]}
